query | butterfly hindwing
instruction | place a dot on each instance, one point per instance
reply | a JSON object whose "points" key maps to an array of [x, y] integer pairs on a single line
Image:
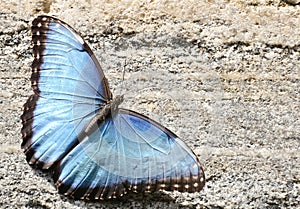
{"points": [[69, 87], [129, 152]]}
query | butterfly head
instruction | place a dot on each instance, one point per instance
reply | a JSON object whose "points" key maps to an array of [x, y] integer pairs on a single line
{"points": [[116, 102]]}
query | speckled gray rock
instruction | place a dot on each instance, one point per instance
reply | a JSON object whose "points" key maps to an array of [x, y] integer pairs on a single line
{"points": [[223, 75], [293, 2]]}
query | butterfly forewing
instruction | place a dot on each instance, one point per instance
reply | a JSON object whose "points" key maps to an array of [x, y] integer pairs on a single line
{"points": [[72, 124], [69, 87]]}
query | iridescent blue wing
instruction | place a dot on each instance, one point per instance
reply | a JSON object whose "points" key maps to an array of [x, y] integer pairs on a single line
{"points": [[129, 152], [69, 88]]}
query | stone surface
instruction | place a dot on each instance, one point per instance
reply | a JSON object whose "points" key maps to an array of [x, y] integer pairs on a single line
{"points": [[292, 2], [223, 75]]}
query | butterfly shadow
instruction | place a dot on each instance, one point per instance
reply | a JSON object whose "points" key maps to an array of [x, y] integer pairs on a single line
{"points": [[158, 199], [133, 200]]}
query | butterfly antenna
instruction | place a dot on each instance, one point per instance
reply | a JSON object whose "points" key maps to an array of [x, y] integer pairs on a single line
{"points": [[123, 76]]}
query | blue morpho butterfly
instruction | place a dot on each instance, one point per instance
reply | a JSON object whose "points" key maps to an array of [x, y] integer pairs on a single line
{"points": [[73, 126]]}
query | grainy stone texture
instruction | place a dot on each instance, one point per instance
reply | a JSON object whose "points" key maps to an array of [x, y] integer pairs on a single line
{"points": [[223, 75]]}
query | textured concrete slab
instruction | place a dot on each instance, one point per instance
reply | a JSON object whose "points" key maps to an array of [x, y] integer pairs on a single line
{"points": [[223, 75]]}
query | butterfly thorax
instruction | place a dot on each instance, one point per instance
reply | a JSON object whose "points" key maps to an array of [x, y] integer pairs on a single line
{"points": [[107, 110]]}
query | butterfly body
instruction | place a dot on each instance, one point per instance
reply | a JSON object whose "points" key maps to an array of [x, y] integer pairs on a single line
{"points": [[74, 127], [105, 112]]}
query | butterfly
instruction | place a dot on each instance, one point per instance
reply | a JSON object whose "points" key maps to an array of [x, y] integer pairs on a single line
{"points": [[74, 127]]}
